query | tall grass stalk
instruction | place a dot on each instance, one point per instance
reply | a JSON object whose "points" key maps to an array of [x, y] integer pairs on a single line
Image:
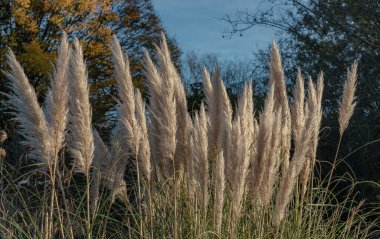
{"points": [[81, 140], [277, 78], [56, 108]]}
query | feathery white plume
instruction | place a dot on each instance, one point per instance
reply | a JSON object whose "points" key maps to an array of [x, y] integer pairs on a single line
{"points": [[200, 156], [144, 148], [81, 141], [263, 146], [299, 158], [56, 102], [130, 133], [163, 119], [277, 78], [169, 73], [347, 104], [34, 126]]}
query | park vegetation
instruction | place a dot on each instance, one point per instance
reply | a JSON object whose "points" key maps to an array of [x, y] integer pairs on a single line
{"points": [[224, 171]]}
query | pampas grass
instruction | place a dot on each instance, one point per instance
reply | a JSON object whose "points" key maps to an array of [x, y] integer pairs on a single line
{"points": [[81, 141], [33, 124], [347, 104], [169, 73], [163, 123], [263, 145], [217, 173], [199, 161], [127, 118], [298, 114], [312, 154], [219, 111], [271, 169], [56, 103], [107, 165], [144, 148], [240, 148], [219, 186], [288, 179], [277, 77]]}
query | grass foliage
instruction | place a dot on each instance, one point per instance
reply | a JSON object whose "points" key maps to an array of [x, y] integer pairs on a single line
{"points": [[220, 173]]}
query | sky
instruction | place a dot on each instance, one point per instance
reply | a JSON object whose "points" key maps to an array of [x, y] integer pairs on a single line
{"points": [[197, 26]]}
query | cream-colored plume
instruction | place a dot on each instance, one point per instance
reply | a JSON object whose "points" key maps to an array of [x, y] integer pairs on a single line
{"points": [[56, 102], [81, 141], [277, 77], [33, 124], [163, 119], [347, 104]]}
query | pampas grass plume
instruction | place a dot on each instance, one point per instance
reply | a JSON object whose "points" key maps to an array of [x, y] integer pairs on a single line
{"points": [[298, 114], [277, 78], [34, 126], [169, 73], [200, 156], [347, 104], [273, 161], [263, 144], [56, 103], [81, 141], [163, 122], [144, 152], [127, 121], [298, 161]]}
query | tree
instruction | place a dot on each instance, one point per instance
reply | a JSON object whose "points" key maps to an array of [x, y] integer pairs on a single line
{"points": [[32, 29], [328, 36]]}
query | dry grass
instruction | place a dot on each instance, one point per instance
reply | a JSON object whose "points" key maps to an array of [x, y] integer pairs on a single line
{"points": [[218, 174]]}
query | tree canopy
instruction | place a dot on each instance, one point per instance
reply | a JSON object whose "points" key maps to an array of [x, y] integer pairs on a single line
{"points": [[32, 29]]}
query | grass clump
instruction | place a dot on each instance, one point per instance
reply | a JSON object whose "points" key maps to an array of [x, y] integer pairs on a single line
{"points": [[221, 173]]}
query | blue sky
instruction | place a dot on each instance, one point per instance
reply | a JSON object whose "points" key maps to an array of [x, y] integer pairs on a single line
{"points": [[197, 26]]}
